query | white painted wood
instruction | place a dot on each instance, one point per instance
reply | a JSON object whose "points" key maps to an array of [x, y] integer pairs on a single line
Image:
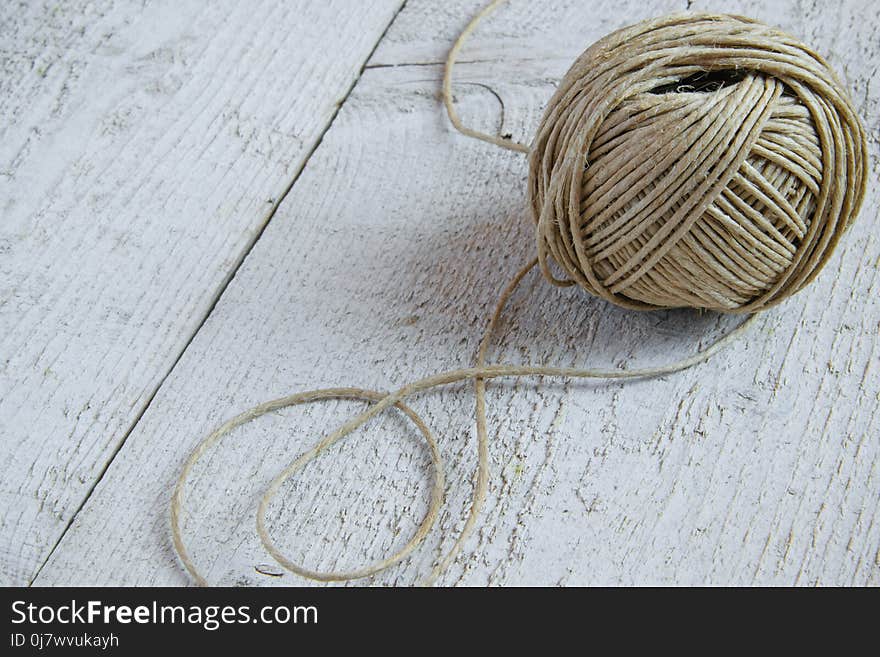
{"points": [[142, 147], [381, 265]]}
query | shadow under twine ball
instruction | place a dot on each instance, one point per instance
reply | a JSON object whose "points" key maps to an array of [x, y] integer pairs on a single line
{"points": [[701, 161]]}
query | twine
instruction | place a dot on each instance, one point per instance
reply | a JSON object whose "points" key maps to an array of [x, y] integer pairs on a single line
{"points": [[712, 195], [694, 160]]}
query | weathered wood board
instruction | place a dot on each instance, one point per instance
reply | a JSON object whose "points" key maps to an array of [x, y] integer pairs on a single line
{"points": [[142, 148], [381, 265]]}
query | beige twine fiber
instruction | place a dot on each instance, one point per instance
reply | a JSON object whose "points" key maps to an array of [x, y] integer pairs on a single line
{"points": [[694, 160]]}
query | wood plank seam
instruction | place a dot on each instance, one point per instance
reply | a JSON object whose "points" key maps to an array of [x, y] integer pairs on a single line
{"points": [[217, 295]]}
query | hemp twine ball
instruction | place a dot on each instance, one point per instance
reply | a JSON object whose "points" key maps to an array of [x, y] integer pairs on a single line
{"points": [[695, 160]]}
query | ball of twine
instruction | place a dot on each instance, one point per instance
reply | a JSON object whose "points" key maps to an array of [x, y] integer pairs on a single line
{"points": [[693, 160], [702, 161]]}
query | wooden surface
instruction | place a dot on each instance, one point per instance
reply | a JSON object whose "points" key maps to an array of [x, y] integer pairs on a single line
{"points": [[141, 148]]}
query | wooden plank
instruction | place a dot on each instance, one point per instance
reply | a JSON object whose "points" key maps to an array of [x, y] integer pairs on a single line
{"points": [[143, 147], [760, 466]]}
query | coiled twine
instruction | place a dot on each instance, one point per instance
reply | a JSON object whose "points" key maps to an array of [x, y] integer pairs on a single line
{"points": [[701, 161]]}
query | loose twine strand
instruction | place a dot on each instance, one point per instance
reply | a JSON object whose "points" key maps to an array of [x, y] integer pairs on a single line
{"points": [[566, 254], [448, 99], [382, 401]]}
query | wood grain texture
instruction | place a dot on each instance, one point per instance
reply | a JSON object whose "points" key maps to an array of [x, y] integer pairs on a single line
{"points": [[142, 148], [381, 265]]}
